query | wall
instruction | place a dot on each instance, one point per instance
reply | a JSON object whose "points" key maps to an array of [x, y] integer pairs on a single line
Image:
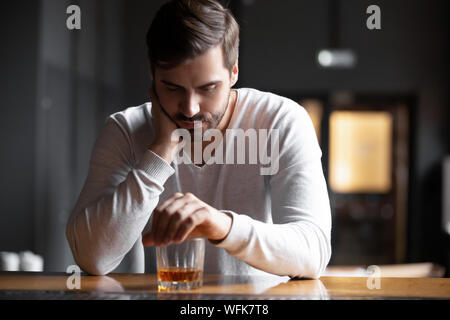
{"points": [[409, 55], [17, 123], [57, 87]]}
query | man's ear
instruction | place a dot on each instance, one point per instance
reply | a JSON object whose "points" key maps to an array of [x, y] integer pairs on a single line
{"points": [[235, 73]]}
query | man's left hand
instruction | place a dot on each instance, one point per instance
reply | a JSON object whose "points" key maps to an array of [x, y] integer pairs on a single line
{"points": [[182, 216]]}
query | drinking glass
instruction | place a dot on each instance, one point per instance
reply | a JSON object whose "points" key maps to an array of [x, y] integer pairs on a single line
{"points": [[180, 266]]}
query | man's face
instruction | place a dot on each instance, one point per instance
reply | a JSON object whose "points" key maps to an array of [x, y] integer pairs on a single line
{"points": [[196, 90]]}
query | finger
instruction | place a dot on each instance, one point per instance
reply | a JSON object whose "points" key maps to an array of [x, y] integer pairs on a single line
{"points": [[190, 223], [178, 219], [147, 240], [196, 233], [166, 203], [188, 197], [165, 216], [156, 216]]}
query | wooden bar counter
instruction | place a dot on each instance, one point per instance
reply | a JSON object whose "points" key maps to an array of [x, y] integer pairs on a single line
{"points": [[56, 286]]}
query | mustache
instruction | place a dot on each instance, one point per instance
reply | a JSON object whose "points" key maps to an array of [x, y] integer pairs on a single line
{"points": [[196, 118]]}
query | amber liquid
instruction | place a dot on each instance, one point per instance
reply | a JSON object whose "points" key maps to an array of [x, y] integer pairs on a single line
{"points": [[180, 275]]}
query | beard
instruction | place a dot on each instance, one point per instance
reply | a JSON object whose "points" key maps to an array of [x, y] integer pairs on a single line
{"points": [[212, 121]]}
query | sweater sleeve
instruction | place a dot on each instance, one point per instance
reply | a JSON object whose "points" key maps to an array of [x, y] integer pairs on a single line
{"points": [[116, 201], [297, 242]]}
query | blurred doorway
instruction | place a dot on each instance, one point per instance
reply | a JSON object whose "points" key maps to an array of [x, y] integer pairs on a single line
{"points": [[366, 158]]}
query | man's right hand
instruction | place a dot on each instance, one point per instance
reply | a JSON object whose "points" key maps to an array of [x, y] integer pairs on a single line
{"points": [[164, 145]]}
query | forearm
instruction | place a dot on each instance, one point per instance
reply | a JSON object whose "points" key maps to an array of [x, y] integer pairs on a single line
{"points": [[165, 150], [102, 232], [299, 249]]}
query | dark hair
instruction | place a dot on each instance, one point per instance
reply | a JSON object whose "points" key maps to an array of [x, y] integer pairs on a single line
{"points": [[184, 29]]}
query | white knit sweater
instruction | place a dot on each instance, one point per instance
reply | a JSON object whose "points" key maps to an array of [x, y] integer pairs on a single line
{"points": [[281, 222]]}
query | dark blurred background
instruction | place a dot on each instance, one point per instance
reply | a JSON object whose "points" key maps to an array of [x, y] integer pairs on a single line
{"points": [[57, 86]]}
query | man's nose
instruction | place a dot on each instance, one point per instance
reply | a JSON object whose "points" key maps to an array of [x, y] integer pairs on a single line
{"points": [[190, 106]]}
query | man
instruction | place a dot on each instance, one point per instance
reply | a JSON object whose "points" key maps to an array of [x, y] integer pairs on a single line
{"points": [[139, 193]]}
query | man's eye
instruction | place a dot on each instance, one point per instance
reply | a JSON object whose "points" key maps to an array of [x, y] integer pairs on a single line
{"points": [[209, 88], [172, 88]]}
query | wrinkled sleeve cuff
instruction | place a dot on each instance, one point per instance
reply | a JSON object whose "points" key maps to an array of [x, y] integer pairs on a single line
{"points": [[155, 166], [239, 235]]}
